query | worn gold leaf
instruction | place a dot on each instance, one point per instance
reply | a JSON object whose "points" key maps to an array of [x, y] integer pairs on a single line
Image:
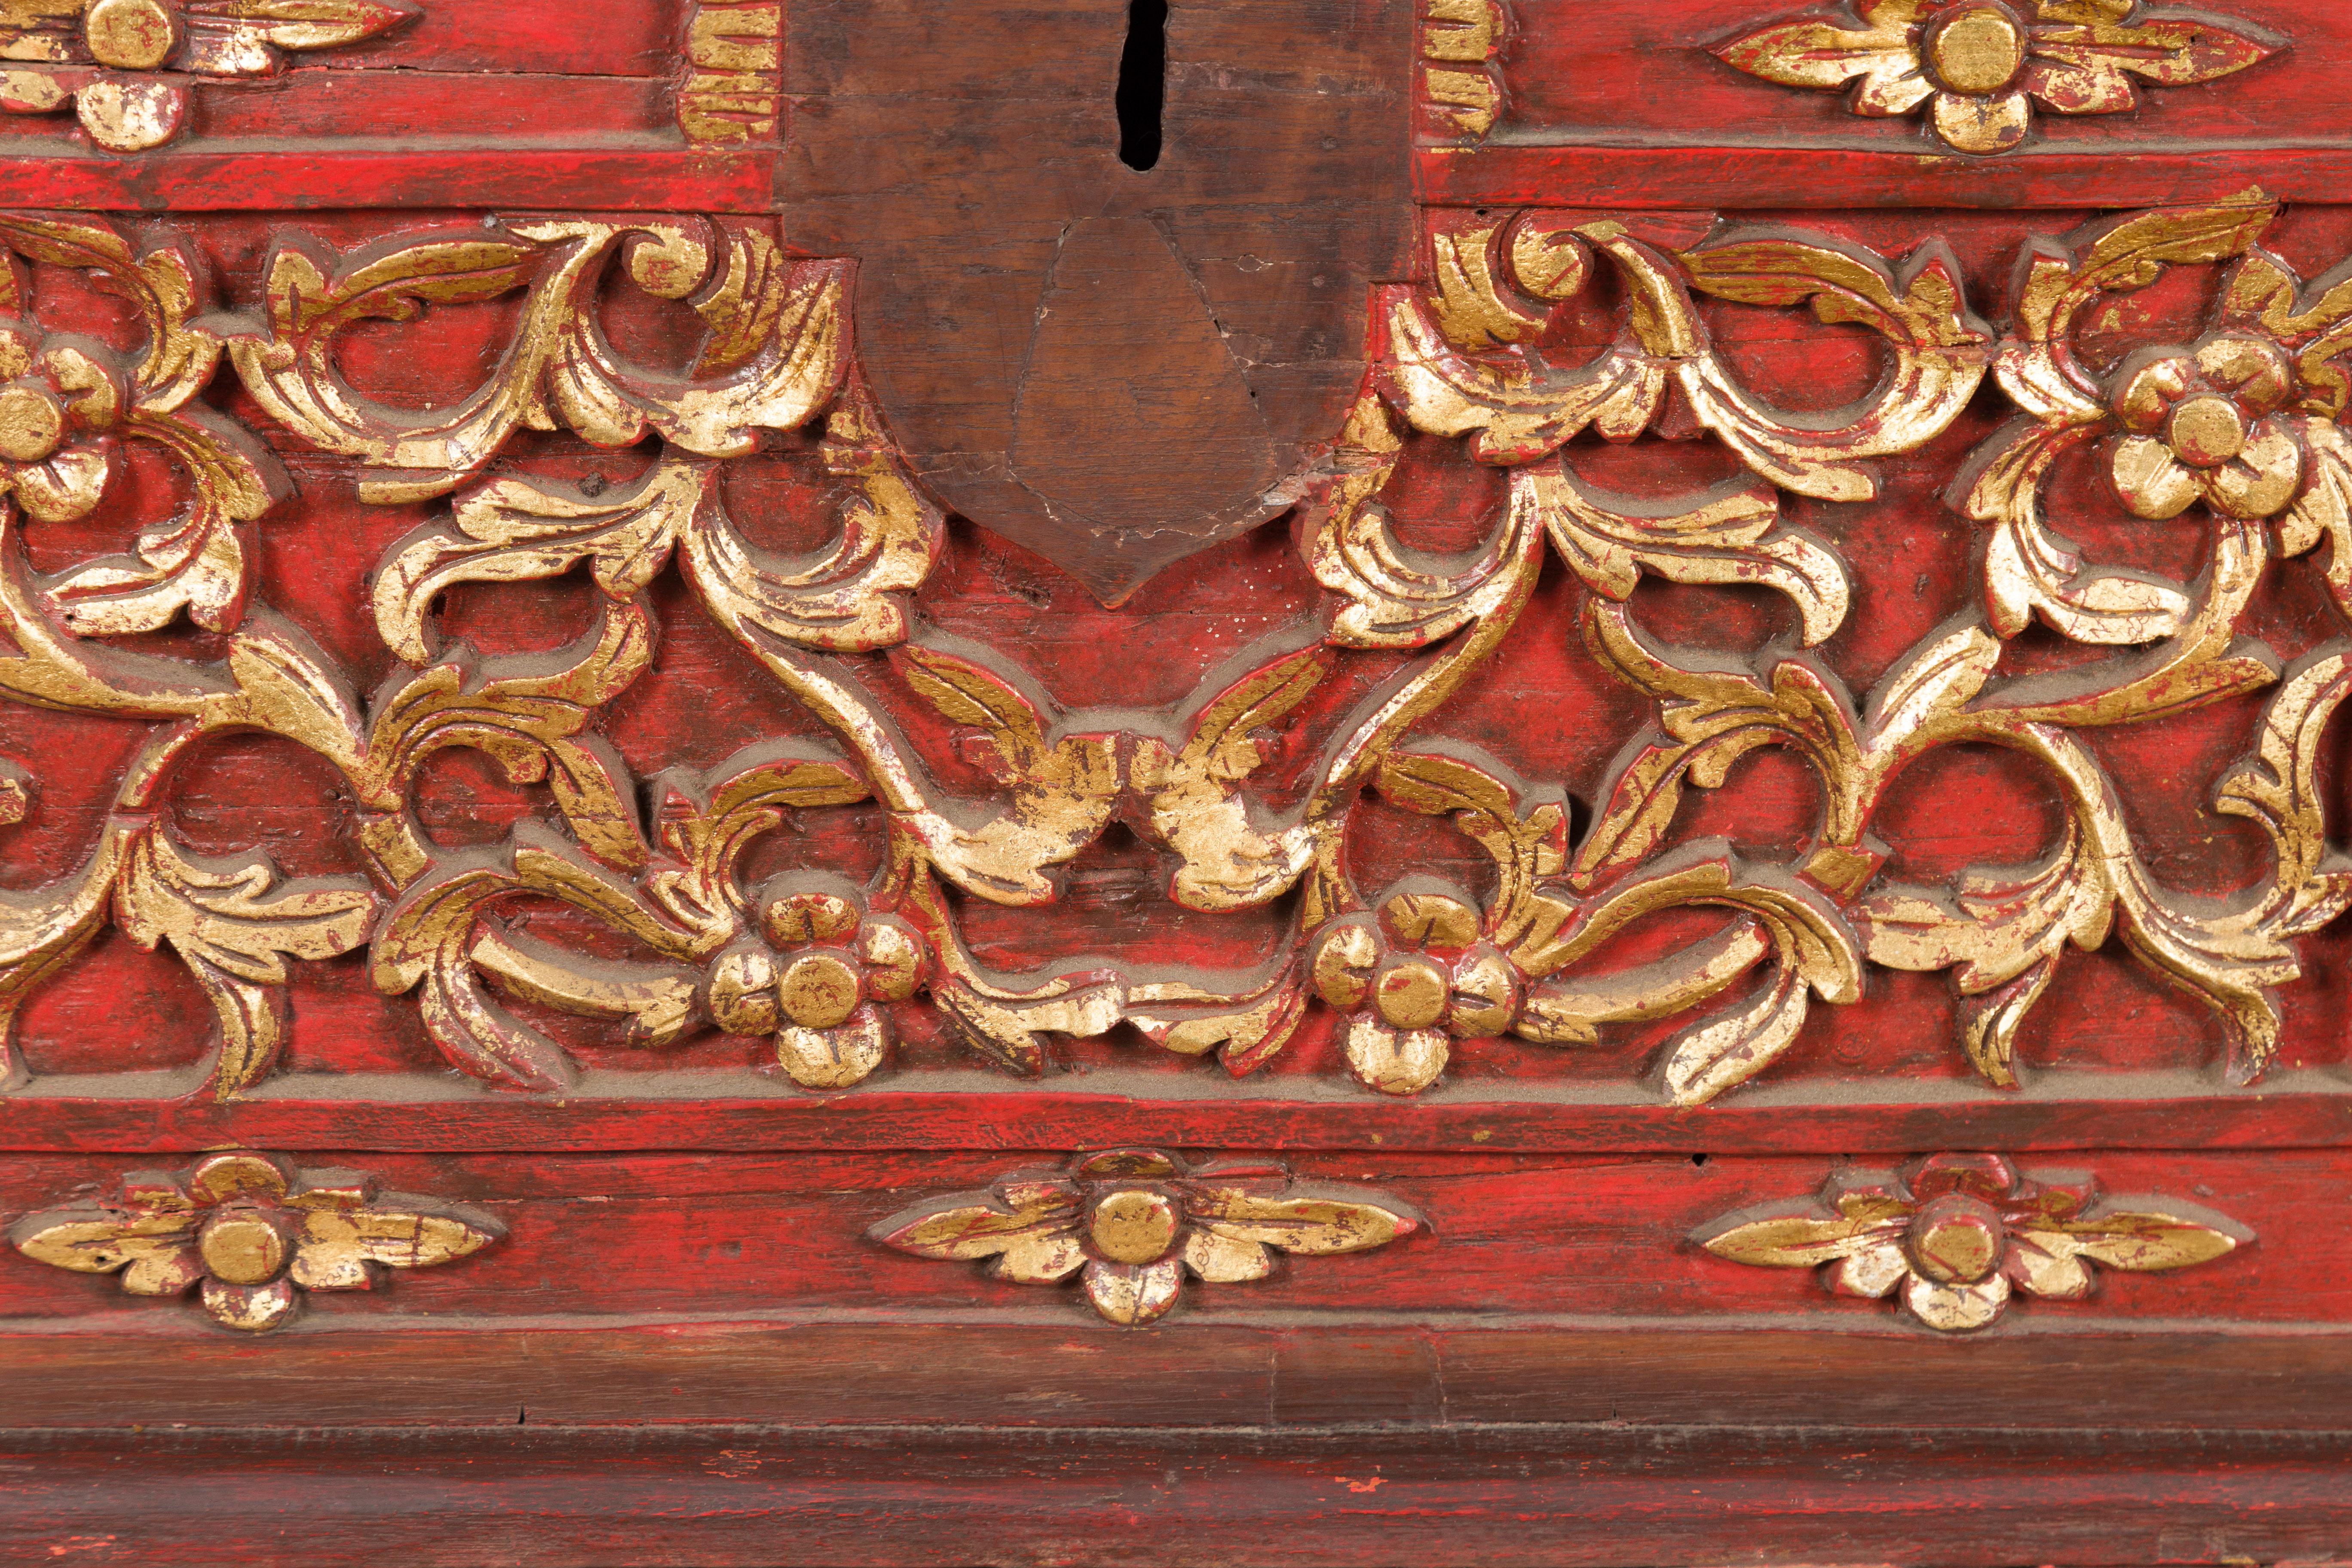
{"points": [[235, 925]]}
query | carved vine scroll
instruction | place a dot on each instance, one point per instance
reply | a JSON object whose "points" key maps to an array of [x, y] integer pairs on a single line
{"points": [[2233, 432]]}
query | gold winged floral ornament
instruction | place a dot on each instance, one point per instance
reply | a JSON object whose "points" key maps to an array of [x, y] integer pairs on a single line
{"points": [[1981, 66], [1131, 1222], [251, 1235], [1954, 1235]]}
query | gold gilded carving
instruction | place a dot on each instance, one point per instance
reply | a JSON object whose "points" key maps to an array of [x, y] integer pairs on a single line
{"points": [[1981, 66], [1462, 43], [252, 1235], [2239, 421], [774, 350], [1954, 1236], [125, 66], [1131, 1222], [1517, 409], [733, 91], [70, 402], [2002, 930], [2234, 431], [774, 356]]}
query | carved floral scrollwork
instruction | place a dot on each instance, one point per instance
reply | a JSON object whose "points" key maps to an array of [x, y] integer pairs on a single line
{"points": [[252, 1234], [774, 355], [2233, 432], [1979, 66], [1952, 1236], [2167, 419], [69, 409], [1460, 362], [1132, 1222], [2239, 424]]}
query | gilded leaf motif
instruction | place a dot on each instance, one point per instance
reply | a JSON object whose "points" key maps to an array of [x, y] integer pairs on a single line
{"points": [[235, 925]]}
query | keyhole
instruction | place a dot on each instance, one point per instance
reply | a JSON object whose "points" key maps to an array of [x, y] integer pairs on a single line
{"points": [[1143, 82]]}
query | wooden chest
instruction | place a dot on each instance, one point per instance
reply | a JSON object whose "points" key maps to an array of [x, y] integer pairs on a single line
{"points": [[1259, 782]]}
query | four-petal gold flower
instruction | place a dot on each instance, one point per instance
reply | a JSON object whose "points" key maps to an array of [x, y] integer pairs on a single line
{"points": [[1980, 65], [1414, 976], [1955, 1233], [58, 401], [2204, 425], [1130, 1221], [813, 979], [252, 1234]]}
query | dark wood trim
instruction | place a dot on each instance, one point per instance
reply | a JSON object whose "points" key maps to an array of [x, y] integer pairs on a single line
{"points": [[1551, 1495], [1048, 1369]]}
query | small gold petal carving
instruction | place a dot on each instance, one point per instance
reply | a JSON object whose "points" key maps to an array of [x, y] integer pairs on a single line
{"points": [[1114, 1217], [1394, 1061], [254, 1234], [1882, 1233], [1978, 63]]}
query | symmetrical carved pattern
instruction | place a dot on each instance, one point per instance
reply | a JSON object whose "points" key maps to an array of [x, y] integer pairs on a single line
{"points": [[251, 1235], [733, 91], [2236, 428], [1981, 66], [1461, 74], [1130, 1222], [1954, 1235], [125, 67]]}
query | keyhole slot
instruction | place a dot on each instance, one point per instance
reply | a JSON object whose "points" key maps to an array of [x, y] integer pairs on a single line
{"points": [[1142, 83]]}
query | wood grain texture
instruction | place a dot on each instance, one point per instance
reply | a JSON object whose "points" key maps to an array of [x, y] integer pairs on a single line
{"points": [[1076, 1375], [1607, 1494], [1014, 263]]}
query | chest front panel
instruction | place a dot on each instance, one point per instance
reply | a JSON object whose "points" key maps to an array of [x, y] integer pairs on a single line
{"points": [[1335, 763]]}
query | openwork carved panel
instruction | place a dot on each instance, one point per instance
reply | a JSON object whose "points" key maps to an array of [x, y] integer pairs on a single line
{"points": [[1514, 725], [933, 786]]}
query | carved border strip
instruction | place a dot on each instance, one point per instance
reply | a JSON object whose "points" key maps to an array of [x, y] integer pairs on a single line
{"points": [[1951, 1237], [125, 66]]}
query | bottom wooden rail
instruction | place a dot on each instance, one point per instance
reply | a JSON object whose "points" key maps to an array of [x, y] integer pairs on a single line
{"points": [[1276, 1371], [1488, 1494], [1278, 1441]]}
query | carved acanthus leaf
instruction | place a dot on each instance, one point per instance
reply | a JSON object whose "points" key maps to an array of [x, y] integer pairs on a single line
{"points": [[234, 924], [1729, 535], [559, 370]]}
